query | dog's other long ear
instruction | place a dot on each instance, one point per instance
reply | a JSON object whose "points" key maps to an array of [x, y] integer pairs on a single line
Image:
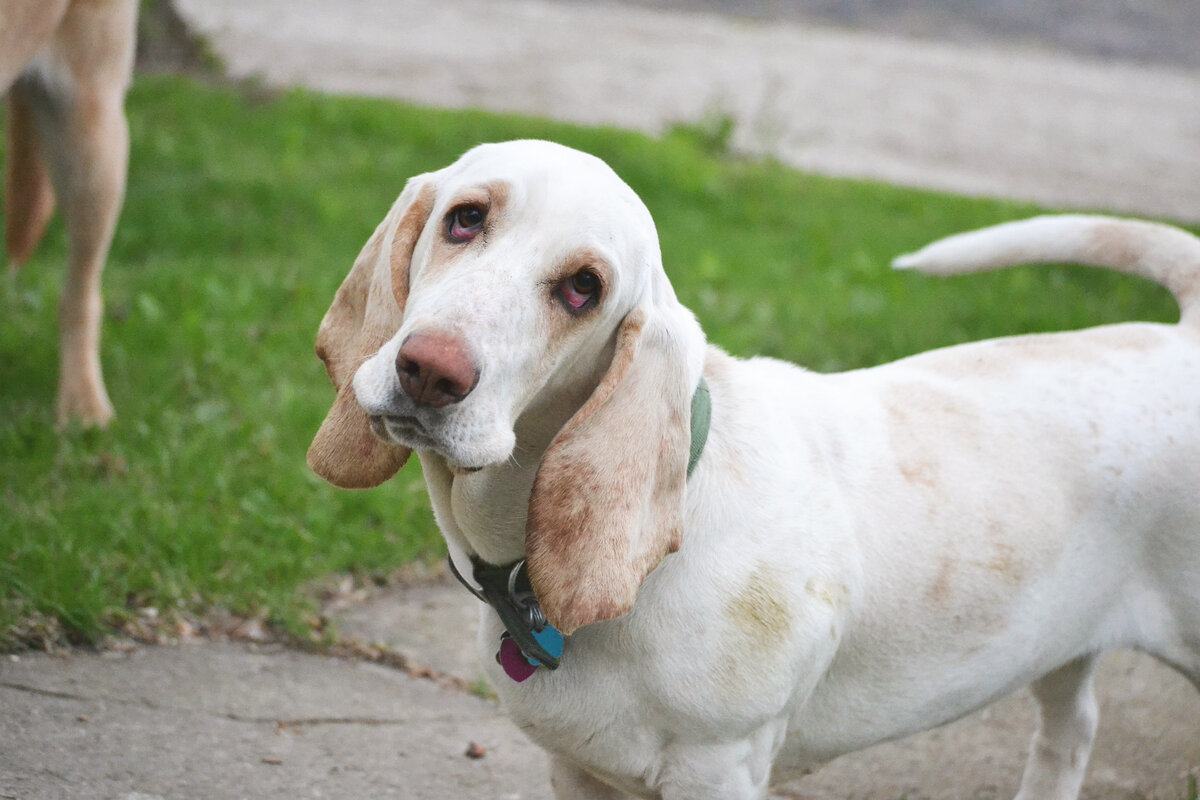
{"points": [[366, 312], [607, 502]]}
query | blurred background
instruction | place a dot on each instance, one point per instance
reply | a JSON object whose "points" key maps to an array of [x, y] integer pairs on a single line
{"points": [[1148, 31], [1059, 102]]}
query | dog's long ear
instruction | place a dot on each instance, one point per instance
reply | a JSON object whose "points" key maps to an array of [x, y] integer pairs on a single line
{"points": [[607, 502], [366, 312]]}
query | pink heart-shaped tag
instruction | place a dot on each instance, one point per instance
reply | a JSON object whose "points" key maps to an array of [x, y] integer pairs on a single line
{"points": [[513, 661]]}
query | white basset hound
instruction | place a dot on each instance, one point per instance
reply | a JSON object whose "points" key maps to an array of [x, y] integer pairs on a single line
{"points": [[854, 558], [66, 65]]}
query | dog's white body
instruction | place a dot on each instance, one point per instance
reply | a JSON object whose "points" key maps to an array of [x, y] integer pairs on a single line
{"points": [[856, 556]]}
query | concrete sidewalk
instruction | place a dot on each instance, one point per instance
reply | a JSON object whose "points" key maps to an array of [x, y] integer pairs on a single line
{"points": [[226, 720], [1009, 121], [229, 720]]}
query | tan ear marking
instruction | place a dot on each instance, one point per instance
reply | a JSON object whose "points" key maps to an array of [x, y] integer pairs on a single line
{"points": [[405, 240], [607, 501], [346, 453], [366, 311]]}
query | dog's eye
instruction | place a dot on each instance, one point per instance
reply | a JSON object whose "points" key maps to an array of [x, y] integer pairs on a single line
{"points": [[580, 290], [465, 223]]}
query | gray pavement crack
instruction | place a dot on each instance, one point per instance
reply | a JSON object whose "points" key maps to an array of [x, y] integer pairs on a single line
{"points": [[304, 722], [298, 722], [20, 687]]}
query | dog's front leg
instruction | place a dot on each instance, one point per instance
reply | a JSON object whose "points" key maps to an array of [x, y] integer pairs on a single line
{"points": [[733, 770], [718, 779], [572, 783]]}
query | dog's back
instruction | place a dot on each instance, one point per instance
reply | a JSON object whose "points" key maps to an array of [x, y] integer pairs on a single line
{"points": [[1033, 503]]}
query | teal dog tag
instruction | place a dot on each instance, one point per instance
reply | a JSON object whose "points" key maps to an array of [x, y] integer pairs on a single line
{"points": [[550, 640]]}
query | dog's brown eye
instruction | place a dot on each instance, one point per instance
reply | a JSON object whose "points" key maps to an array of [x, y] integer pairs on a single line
{"points": [[465, 223], [580, 290], [585, 283]]}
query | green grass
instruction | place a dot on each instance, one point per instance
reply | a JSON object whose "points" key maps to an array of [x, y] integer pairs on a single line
{"points": [[242, 216]]}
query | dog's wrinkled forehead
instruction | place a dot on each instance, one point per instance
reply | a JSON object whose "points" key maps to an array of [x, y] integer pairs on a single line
{"points": [[558, 188], [540, 164]]}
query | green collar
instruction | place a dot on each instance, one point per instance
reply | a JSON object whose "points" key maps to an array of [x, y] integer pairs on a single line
{"points": [[701, 418], [506, 588]]}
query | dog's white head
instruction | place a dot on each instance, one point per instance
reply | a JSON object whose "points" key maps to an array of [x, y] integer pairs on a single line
{"points": [[513, 306]]}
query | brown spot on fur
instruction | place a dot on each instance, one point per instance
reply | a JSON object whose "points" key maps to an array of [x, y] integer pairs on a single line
{"points": [[834, 596], [1111, 244], [921, 472], [494, 197], [1004, 562], [1161, 253], [939, 591], [919, 414], [404, 241], [759, 612], [1081, 346], [757, 622], [1002, 567], [999, 359]]}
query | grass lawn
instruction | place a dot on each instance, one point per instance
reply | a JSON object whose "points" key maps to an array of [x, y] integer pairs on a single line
{"points": [[244, 213]]}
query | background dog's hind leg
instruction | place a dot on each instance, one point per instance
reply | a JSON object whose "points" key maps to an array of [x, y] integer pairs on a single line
{"points": [[1061, 746], [28, 195], [25, 25]]}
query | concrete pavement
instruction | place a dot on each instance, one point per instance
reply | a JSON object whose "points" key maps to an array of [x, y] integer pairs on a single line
{"points": [[238, 720]]}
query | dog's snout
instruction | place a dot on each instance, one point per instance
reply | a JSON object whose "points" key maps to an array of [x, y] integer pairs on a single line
{"points": [[435, 369]]}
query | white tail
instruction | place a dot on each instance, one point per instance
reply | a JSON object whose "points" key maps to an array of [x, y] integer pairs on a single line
{"points": [[1164, 254]]}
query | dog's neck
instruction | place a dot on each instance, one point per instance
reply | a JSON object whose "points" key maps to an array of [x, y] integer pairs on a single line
{"points": [[484, 513]]}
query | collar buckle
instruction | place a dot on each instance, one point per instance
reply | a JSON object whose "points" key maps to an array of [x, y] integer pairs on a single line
{"points": [[508, 591]]}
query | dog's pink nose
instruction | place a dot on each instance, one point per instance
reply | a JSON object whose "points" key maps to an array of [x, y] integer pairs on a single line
{"points": [[435, 369]]}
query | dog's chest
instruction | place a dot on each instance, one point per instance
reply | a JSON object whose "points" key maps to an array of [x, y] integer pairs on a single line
{"points": [[629, 693]]}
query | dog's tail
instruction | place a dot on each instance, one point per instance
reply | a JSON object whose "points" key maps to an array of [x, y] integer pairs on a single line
{"points": [[28, 194], [1164, 254]]}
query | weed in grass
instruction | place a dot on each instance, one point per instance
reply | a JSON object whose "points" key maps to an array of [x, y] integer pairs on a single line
{"points": [[1192, 792], [712, 134], [242, 217]]}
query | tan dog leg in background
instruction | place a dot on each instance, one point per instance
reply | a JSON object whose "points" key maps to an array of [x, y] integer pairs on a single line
{"points": [[28, 196], [68, 137]]}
